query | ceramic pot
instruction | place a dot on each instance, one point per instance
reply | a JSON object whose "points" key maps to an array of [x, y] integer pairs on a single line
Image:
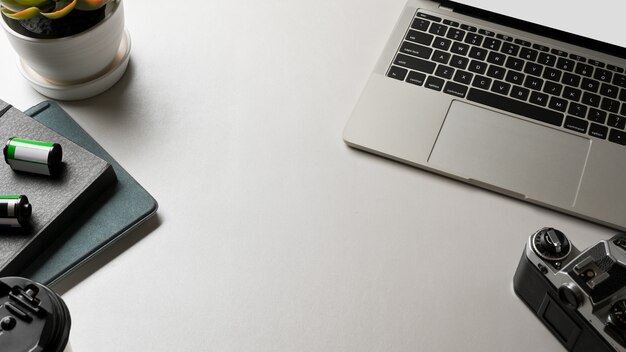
{"points": [[74, 59]]}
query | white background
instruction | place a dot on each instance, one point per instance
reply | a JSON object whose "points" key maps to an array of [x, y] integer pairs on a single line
{"points": [[272, 235]]}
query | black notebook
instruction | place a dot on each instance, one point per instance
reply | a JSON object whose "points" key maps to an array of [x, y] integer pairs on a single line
{"points": [[56, 201], [123, 207]]}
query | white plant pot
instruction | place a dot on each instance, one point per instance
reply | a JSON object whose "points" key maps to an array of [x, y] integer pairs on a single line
{"points": [[63, 63]]}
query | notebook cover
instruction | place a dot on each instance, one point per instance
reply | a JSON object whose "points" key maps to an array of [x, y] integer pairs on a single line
{"points": [[124, 206], [55, 200]]}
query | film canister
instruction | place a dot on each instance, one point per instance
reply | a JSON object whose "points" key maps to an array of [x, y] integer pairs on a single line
{"points": [[32, 317], [42, 158], [15, 211]]}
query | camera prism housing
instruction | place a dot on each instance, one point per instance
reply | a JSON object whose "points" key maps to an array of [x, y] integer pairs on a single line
{"points": [[580, 296]]}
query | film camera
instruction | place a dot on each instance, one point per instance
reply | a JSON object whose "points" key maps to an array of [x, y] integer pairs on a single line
{"points": [[579, 295], [32, 317]]}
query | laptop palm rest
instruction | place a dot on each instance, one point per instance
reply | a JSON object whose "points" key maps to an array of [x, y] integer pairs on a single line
{"points": [[506, 153]]}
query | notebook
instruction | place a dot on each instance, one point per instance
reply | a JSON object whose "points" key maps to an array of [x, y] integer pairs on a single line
{"points": [[56, 201], [519, 108], [124, 207]]}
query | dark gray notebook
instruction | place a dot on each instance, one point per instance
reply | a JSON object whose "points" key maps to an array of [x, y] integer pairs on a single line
{"points": [[55, 200], [121, 208]]}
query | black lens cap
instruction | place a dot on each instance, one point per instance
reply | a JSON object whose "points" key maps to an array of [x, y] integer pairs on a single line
{"points": [[32, 317]]}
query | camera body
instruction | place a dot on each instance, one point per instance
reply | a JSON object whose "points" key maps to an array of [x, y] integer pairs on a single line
{"points": [[580, 296]]}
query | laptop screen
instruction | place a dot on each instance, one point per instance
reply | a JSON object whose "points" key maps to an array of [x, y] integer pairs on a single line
{"points": [[599, 22]]}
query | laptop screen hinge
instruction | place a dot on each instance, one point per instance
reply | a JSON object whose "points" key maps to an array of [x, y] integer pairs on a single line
{"points": [[445, 7]]}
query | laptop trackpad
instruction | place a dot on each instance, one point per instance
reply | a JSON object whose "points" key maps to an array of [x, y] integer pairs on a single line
{"points": [[532, 160]]}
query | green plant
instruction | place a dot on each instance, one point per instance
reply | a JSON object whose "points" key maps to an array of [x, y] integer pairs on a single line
{"points": [[52, 9]]}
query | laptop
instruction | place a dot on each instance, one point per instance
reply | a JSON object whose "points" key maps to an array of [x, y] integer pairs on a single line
{"points": [[465, 90]]}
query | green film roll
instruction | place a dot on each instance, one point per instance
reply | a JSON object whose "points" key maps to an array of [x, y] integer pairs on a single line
{"points": [[37, 157], [15, 211]]}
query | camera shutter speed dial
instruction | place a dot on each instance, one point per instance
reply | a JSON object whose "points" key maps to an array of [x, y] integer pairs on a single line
{"points": [[551, 244], [618, 314]]}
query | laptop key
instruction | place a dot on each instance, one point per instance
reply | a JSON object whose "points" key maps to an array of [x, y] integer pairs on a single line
{"points": [[420, 24], [608, 90], [515, 77], [617, 121], [572, 93], [477, 67], [444, 72], [552, 88], [510, 49], [575, 124], [603, 75], [459, 48], [428, 17], [552, 74], [514, 64], [416, 50], [528, 54], [522, 42], [539, 98], [459, 62], [565, 64], [584, 69], [533, 69], [414, 63], [496, 72], [615, 68], [419, 37], [558, 52], [571, 79], [478, 53], [458, 90], [619, 80], [541, 47], [451, 23], [504, 37], [492, 44], [474, 39], [463, 77], [596, 115], [558, 104], [617, 136], [591, 99], [622, 95], [397, 72], [533, 83], [434, 83], [469, 28], [520, 93], [610, 105], [577, 58], [590, 85], [442, 43], [482, 82], [496, 58], [547, 59], [577, 110], [486, 32], [598, 131], [416, 78], [597, 63], [438, 29], [515, 106], [501, 87], [441, 57], [455, 34]]}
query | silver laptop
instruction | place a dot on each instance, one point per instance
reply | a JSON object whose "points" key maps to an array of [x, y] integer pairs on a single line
{"points": [[519, 108]]}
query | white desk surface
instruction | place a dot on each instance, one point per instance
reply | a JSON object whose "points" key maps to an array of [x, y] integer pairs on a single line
{"points": [[272, 234]]}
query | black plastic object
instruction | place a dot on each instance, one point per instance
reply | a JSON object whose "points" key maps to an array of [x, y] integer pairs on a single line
{"points": [[32, 317]]}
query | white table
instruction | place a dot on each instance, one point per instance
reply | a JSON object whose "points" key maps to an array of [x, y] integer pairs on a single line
{"points": [[272, 234]]}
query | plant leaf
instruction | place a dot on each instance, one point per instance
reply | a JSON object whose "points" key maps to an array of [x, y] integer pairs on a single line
{"points": [[22, 15], [64, 7], [87, 5]]}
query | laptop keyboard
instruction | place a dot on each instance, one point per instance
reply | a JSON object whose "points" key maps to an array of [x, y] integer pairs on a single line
{"points": [[528, 79]]}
